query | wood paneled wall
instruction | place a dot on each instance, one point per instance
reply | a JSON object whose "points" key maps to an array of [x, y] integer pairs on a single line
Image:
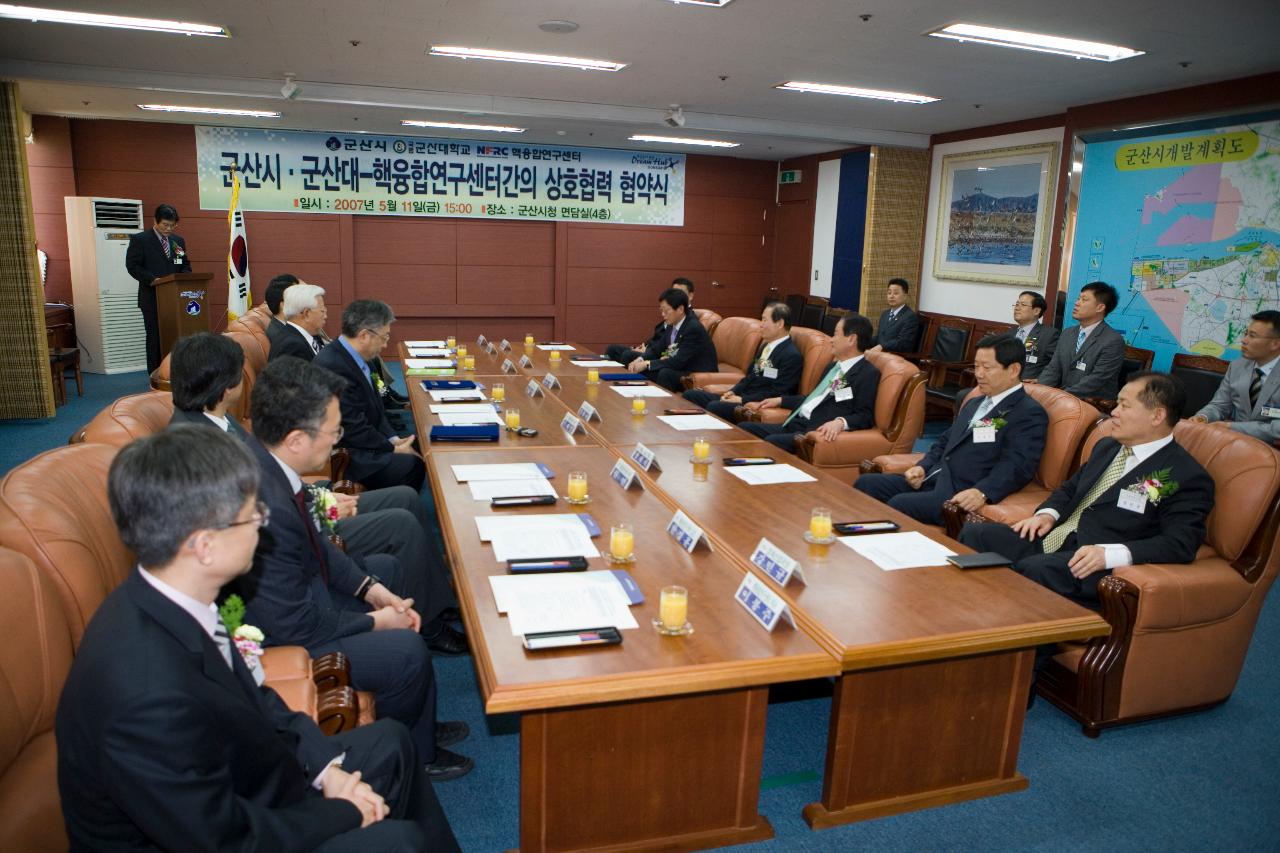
{"points": [[591, 283]]}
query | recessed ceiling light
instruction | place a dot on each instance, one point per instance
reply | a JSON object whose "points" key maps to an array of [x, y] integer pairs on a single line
{"points": [[60, 16], [453, 125], [213, 111], [533, 58], [1036, 41], [716, 3], [855, 92], [680, 140]]}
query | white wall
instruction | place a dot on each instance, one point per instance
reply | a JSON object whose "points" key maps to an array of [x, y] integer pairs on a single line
{"points": [[824, 228], [968, 298]]}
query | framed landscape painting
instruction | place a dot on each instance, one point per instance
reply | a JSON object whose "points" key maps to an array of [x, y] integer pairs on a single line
{"points": [[994, 213]]}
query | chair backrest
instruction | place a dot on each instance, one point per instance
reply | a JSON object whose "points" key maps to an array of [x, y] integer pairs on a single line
{"points": [[812, 312], [795, 301], [253, 365], [54, 509], [815, 348], [1201, 375], [1246, 476], [736, 341], [832, 318], [1070, 419], [951, 339], [1136, 360], [257, 317], [257, 349], [130, 417], [900, 398], [34, 660], [708, 318]]}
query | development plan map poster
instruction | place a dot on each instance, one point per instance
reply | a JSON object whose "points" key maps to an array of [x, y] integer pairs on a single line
{"points": [[1186, 227]]}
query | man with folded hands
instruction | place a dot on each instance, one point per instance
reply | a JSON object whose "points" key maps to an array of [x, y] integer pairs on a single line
{"points": [[991, 450], [775, 371]]}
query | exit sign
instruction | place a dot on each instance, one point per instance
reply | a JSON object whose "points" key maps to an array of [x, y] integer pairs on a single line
{"points": [[791, 176]]}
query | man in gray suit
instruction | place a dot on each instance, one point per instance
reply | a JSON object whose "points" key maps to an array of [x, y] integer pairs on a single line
{"points": [[1249, 397], [1089, 356]]}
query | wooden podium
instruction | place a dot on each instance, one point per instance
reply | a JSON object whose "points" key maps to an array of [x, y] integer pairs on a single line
{"points": [[181, 306]]}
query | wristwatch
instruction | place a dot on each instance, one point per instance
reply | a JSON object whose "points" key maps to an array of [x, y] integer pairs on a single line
{"points": [[367, 584]]}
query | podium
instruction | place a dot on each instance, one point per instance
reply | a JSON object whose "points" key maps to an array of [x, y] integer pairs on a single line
{"points": [[181, 306]]}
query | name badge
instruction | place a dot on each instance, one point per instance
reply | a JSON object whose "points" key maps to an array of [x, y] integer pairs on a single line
{"points": [[525, 361], [507, 366], [1080, 365], [770, 373], [533, 389], [549, 381], [764, 605], [1271, 411], [588, 412], [1132, 501], [624, 475], [984, 435], [776, 564], [570, 424], [1033, 359], [844, 395], [684, 531], [505, 345], [644, 457]]}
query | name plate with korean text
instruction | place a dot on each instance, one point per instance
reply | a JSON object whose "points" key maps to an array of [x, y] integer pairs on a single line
{"points": [[549, 381], [570, 424], [508, 366], [684, 531], [775, 563], [624, 475], [533, 389], [645, 458], [588, 412], [764, 605]]}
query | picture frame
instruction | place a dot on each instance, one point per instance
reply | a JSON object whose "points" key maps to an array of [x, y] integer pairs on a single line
{"points": [[994, 212]]}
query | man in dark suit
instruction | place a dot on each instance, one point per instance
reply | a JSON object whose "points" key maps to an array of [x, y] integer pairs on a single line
{"points": [[1040, 340], [844, 399], [379, 456], [1248, 400], [775, 371], [274, 298], [166, 740], [1089, 356], [991, 450], [206, 381], [305, 314], [683, 347], [899, 325], [1141, 498], [154, 253], [304, 591], [624, 354]]}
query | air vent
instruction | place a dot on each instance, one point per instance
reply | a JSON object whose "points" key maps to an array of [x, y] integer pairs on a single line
{"points": [[114, 214]]}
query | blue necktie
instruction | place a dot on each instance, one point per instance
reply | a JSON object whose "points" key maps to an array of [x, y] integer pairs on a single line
{"points": [[1080, 339]]}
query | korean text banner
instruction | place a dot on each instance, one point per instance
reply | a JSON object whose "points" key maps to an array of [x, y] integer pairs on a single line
{"points": [[315, 172]]}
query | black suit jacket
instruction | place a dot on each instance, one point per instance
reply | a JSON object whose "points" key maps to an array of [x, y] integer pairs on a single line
{"points": [[146, 261], [286, 340], [1168, 531], [858, 412], [898, 335], [756, 386], [1041, 344], [366, 430], [694, 350], [998, 468], [199, 419], [285, 594], [162, 746]]}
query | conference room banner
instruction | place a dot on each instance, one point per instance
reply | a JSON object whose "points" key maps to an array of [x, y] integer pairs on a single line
{"points": [[317, 172]]}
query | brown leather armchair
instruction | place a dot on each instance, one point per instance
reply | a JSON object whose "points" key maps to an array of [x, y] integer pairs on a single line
{"points": [[899, 418], [160, 376], [34, 661], [736, 340], [129, 417], [1179, 633], [815, 349], [708, 318]]}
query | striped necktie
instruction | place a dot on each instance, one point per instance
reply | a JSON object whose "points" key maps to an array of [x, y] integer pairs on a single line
{"points": [[164, 244], [1022, 335], [1110, 476], [1080, 339], [223, 639], [1255, 387]]}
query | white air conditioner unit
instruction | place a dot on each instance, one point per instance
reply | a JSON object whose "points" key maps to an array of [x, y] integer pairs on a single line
{"points": [[109, 326]]}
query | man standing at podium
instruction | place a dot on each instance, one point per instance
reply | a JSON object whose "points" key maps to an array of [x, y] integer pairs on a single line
{"points": [[152, 254]]}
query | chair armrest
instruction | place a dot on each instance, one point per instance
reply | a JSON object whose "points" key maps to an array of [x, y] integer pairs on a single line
{"points": [[760, 416], [849, 448], [282, 662], [703, 379], [337, 710], [896, 463], [1175, 595], [331, 670]]}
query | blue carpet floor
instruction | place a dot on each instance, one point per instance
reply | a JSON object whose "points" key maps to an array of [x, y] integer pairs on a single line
{"points": [[1203, 782]]}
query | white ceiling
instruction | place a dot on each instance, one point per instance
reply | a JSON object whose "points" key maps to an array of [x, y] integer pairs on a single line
{"points": [[677, 54]]}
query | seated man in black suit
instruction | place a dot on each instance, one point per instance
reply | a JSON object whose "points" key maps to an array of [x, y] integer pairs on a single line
{"points": [[1039, 339], [1140, 498], [206, 381], [304, 591], [775, 372], [274, 298], [166, 740], [684, 346], [304, 313], [899, 325], [991, 450], [844, 399], [379, 456], [625, 355], [1089, 356]]}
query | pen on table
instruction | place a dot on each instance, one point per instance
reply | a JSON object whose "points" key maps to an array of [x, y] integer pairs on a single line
{"points": [[548, 564]]}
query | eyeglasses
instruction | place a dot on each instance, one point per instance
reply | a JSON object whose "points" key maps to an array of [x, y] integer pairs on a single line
{"points": [[384, 336], [337, 433], [1253, 337], [261, 517]]}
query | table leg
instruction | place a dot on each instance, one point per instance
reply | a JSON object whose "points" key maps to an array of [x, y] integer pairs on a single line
{"points": [[670, 774], [922, 735]]}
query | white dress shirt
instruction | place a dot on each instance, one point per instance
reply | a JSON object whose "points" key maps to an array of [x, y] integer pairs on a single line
{"points": [[807, 409]]}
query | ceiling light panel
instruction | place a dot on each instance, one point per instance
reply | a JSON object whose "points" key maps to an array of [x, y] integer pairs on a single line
{"points": [[854, 92], [91, 19], [458, 52], [1038, 42], [680, 140], [212, 111], [713, 3], [453, 125]]}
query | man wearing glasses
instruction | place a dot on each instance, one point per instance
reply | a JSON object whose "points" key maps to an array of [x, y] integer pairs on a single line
{"points": [[380, 458], [1039, 339], [1248, 400]]}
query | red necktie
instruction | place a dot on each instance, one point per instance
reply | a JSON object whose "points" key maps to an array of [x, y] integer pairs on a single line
{"points": [[309, 523]]}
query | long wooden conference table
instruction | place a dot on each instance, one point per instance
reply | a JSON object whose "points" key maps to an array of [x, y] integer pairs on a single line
{"points": [[657, 743]]}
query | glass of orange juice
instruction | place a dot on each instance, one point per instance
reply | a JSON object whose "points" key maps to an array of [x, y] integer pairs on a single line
{"points": [[638, 407], [529, 339], [469, 363], [622, 544], [498, 392], [593, 376], [462, 350], [701, 450], [578, 487], [513, 417], [673, 612], [451, 341], [819, 531]]}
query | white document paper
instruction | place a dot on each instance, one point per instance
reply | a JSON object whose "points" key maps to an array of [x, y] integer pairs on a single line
{"points": [[429, 352], [640, 391], [436, 344], [469, 408], [690, 423], [483, 490], [767, 475], [420, 363], [464, 418], [893, 551], [504, 471], [562, 347], [523, 543], [488, 525], [565, 605], [510, 590], [441, 395], [599, 362]]}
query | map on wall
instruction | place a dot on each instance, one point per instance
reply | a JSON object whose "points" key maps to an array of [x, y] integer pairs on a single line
{"points": [[1186, 227]]}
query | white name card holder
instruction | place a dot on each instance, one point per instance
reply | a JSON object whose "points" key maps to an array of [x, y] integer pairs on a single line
{"points": [[775, 563], [684, 531], [508, 366], [588, 412], [624, 475], [764, 605], [645, 458], [525, 361], [533, 389], [505, 345], [490, 348], [549, 381], [570, 424], [481, 341]]}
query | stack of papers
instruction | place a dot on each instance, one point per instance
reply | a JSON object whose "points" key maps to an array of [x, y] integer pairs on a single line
{"points": [[893, 551], [689, 423], [441, 395], [437, 344], [767, 475], [565, 347], [421, 363], [470, 418], [564, 601], [640, 391], [483, 490], [602, 362], [503, 471], [429, 352], [526, 537]]}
